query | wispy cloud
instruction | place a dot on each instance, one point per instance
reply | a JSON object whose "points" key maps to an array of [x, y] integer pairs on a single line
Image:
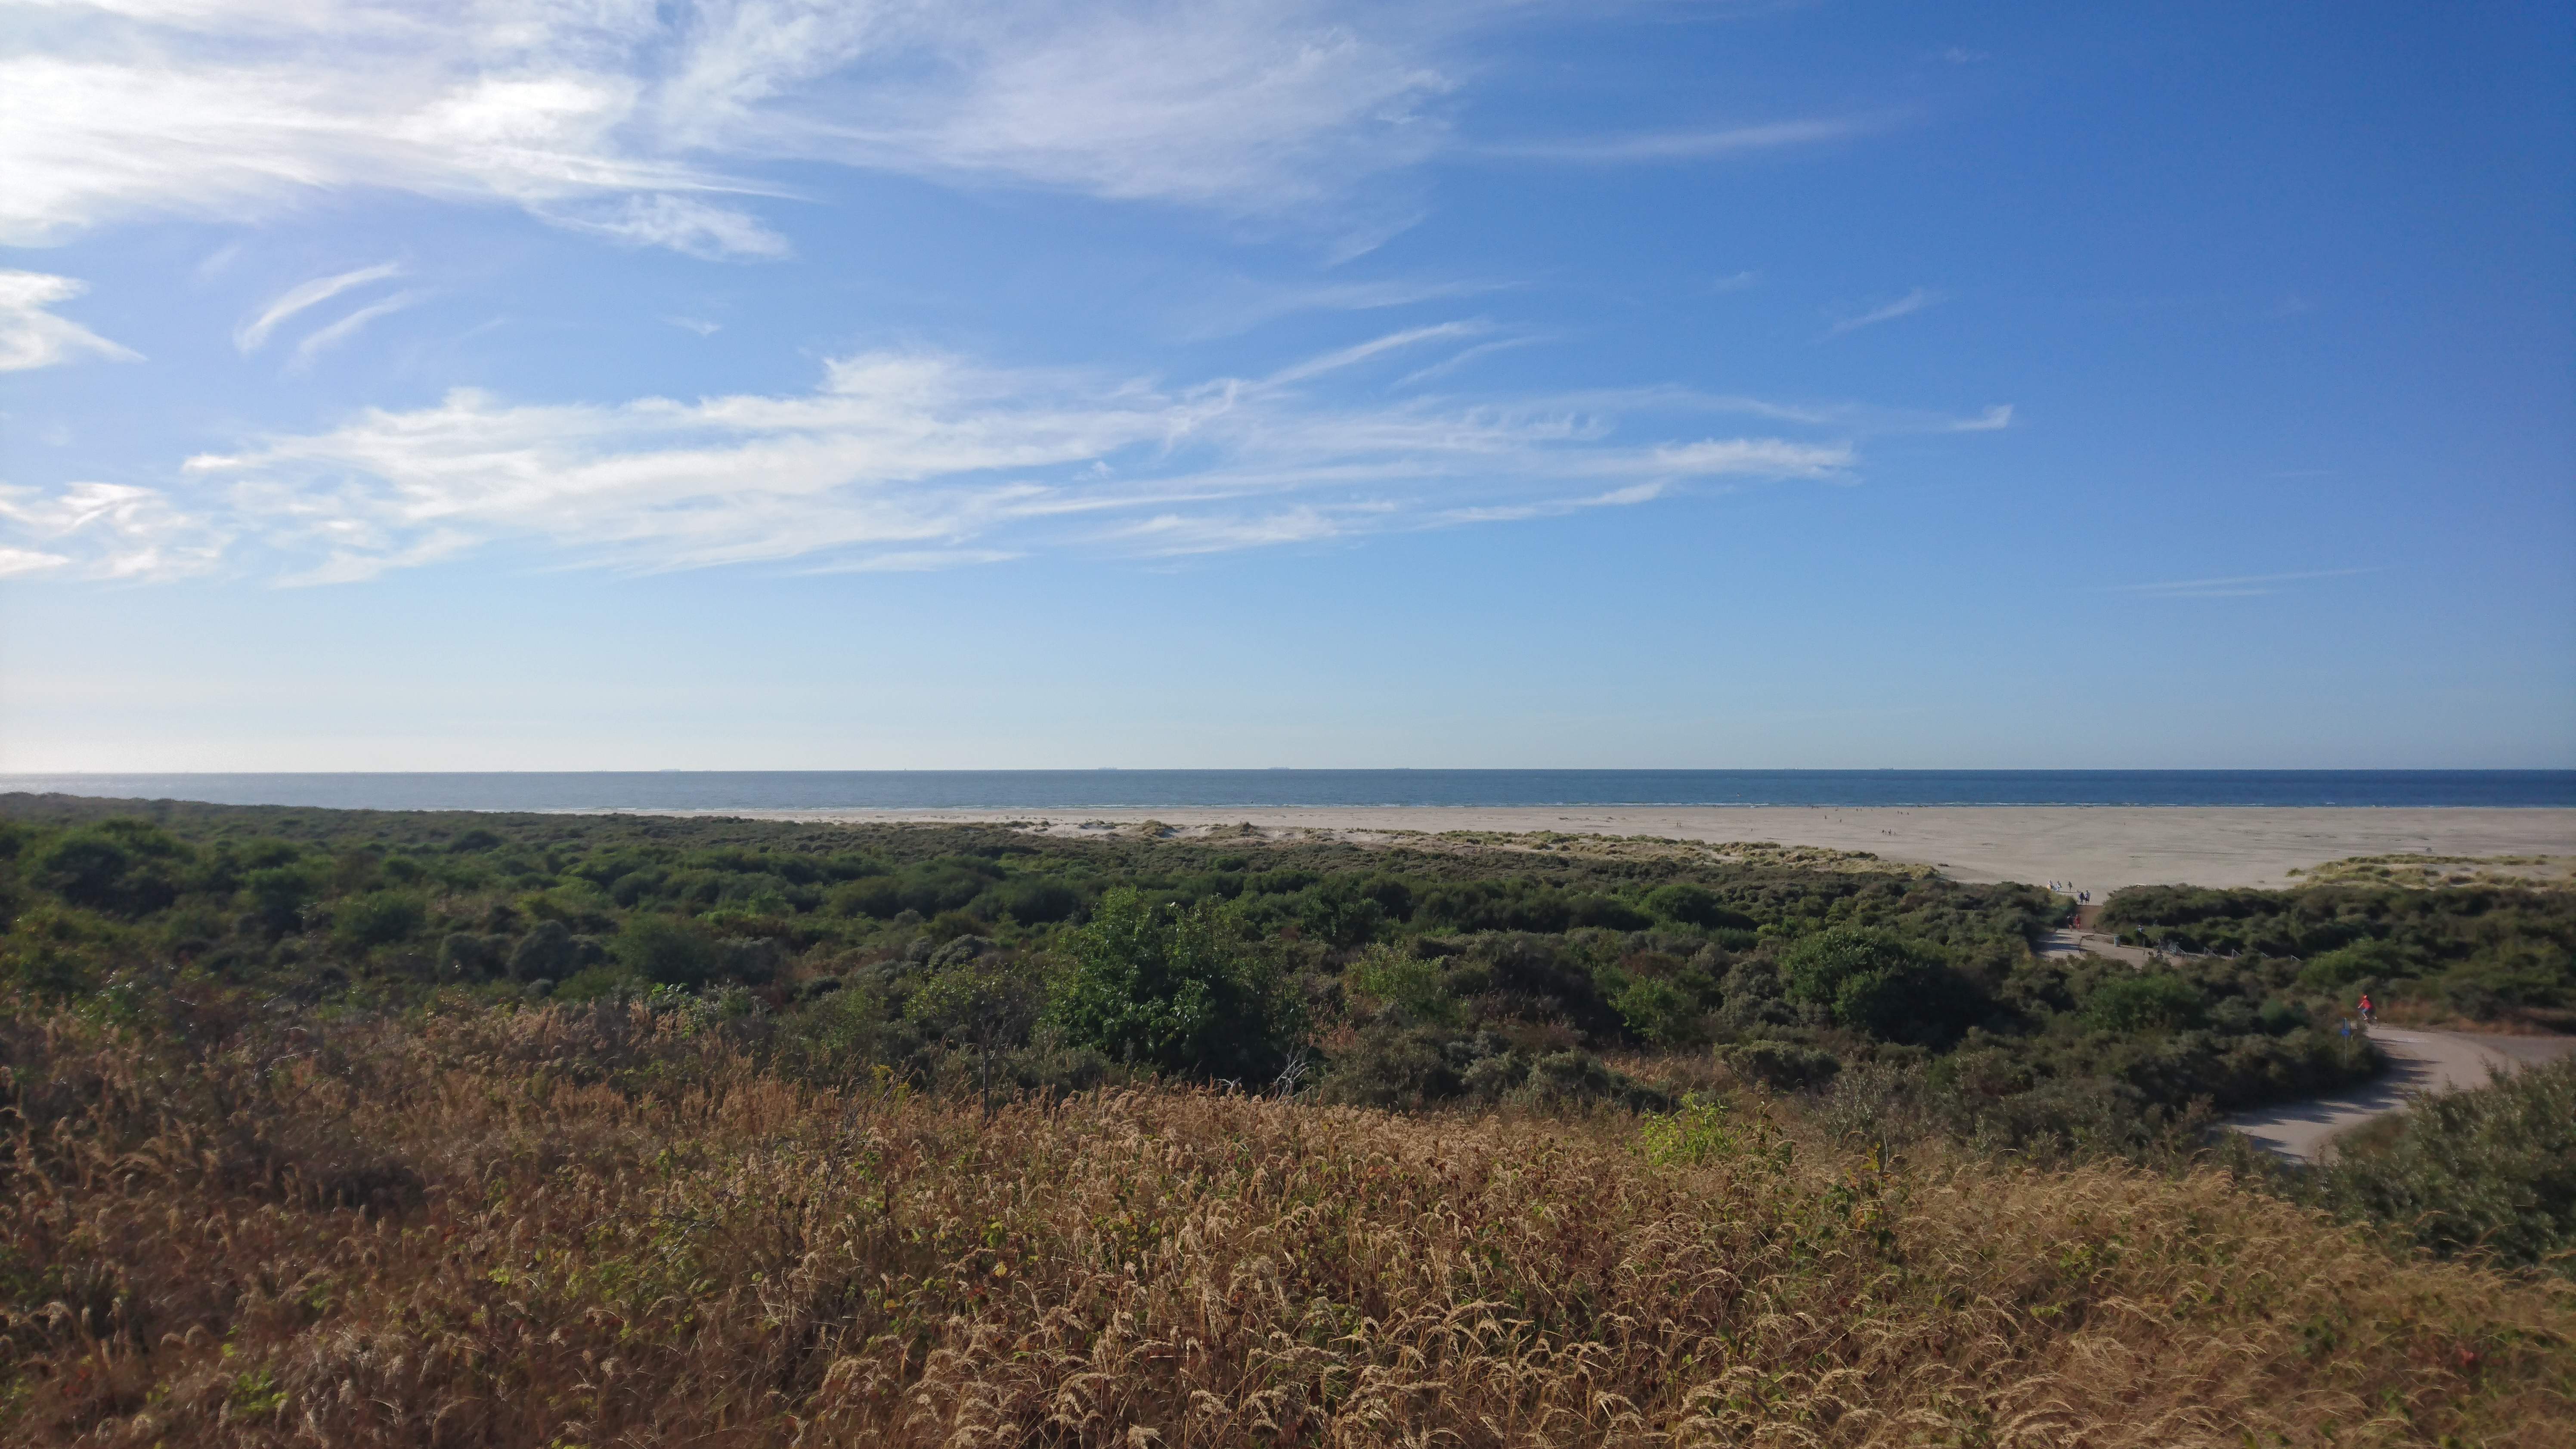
{"points": [[653, 125], [29, 561], [1848, 418], [1243, 107], [1735, 282], [681, 223], [2240, 586], [1462, 357], [32, 336], [1358, 353], [253, 334], [636, 121], [109, 530], [897, 460], [1235, 305], [1905, 306], [323, 339], [1693, 145]]}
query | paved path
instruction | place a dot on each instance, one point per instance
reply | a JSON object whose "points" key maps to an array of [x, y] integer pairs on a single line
{"points": [[2094, 943], [2419, 1061]]}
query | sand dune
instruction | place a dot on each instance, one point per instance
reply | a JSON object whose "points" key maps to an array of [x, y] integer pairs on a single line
{"points": [[2097, 848]]}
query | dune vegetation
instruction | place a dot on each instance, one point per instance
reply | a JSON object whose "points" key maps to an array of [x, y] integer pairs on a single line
{"points": [[1420, 974], [2491, 1170], [346, 1128], [2450, 941], [606, 1225]]}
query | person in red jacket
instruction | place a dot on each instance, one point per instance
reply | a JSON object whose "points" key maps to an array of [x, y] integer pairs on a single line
{"points": [[2366, 1017]]}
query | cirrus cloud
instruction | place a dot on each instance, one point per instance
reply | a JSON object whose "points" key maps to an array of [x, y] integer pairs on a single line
{"points": [[32, 336], [635, 121], [899, 460], [650, 124]]}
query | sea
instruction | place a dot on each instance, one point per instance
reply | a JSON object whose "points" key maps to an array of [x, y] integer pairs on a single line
{"points": [[1063, 790]]}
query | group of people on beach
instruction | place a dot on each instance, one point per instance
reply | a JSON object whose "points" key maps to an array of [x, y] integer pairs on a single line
{"points": [[2067, 887]]}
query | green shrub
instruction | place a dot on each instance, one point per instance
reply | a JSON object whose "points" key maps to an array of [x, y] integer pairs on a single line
{"points": [[1405, 986], [2517, 976], [1880, 983], [1693, 1136], [1039, 902], [665, 951], [469, 955], [1396, 1064], [2491, 1169], [1695, 905], [1781, 1064], [547, 953], [2356, 963], [279, 894], [877, 896], [2158, 1002], [1573, 1078], [1661, 1012], [378, 918], [1174, 988], [123, 870]]}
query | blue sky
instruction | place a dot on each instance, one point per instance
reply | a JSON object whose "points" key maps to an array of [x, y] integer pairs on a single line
{"points": [[761, 385]]}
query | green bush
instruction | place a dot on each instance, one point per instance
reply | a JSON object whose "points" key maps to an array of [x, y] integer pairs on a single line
{"points": [[1039, 902], [2491, 1170], [2159, 1002], [547, 953], [279, 894], [1397, 1064], [1405, 986], [470, 956], [122, 870], [1694, 905], [1781, 1064], [378, 918], [1880, 983], [666, 952], [1661, 1012], [1572, 1078], [2356, 963], [1174, 988]]}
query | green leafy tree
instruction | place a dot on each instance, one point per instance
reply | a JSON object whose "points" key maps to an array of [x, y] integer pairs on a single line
{"points": [[1181, 989]]}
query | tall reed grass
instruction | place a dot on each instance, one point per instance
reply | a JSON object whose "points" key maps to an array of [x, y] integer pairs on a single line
{"points": [[602, 1227]]}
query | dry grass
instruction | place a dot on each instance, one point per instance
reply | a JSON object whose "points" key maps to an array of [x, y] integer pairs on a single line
{"points": [[1767, 853], [2433, 872], [594, 1228]]}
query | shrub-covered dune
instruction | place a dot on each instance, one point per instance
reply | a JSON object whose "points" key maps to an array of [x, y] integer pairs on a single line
{"points": [[600, 1225]]}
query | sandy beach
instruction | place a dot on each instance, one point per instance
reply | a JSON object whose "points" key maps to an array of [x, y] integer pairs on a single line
{"points": [[2095, 848]]}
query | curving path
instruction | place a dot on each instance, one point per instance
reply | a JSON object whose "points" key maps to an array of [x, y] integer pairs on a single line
{"points": [[2419, 1061]]}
